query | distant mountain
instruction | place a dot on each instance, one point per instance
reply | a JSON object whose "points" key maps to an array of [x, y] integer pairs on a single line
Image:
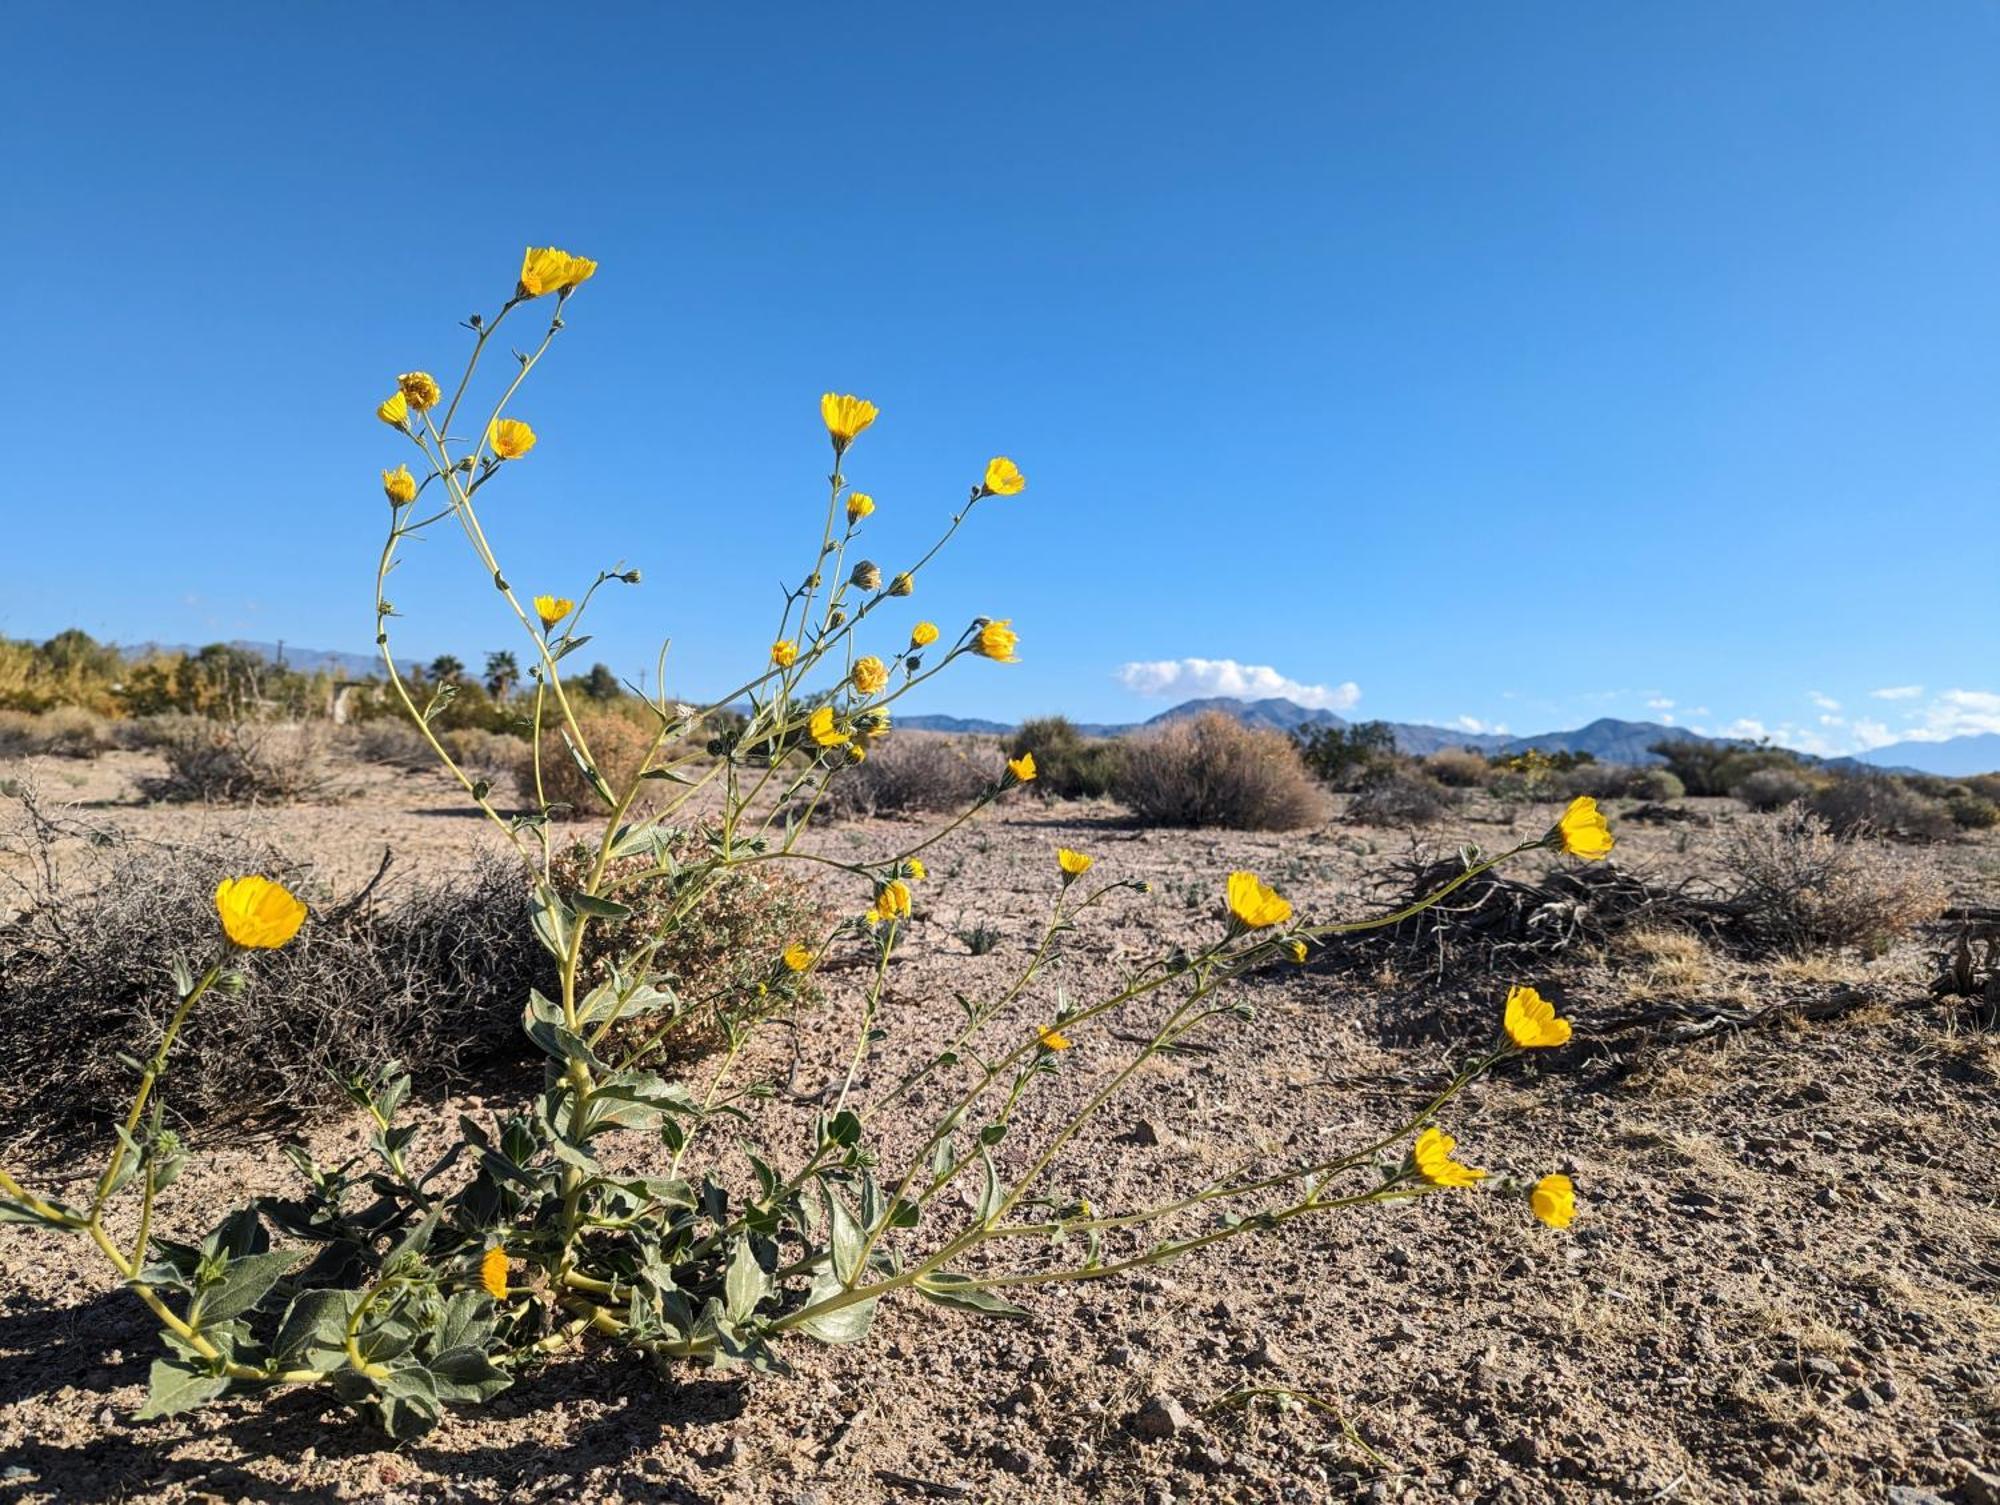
{"points": [[1608, 740], [304, 660], [1954, 757]]}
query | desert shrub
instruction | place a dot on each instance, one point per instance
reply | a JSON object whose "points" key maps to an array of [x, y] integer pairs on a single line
{"points": [[618, 743], [1068, 764], [1770, 788], [1652, 784], [749, 1202], [431, 972], [490, 755], [1881, 804], [1985, 786], [1799, 884], [59, 732], [1459, 768], [1346, 757], [242, 764], [394, 744], [1972, 812], [1710, 769], [912, 773], [1400, 799], [1211, 770]]}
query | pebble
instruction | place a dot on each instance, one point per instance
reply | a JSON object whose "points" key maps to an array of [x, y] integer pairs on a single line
{"points": [[1161, 1417]]}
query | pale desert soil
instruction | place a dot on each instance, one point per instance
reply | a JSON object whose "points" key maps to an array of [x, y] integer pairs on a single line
{"points": [[1782, 1284]]}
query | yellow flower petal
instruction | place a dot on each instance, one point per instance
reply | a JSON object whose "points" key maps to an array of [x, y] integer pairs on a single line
{"points": [[1052, 1038], [509, 438], [493, 1272], [892, 899], [1023, 767], [996, 641], [1075, 864], [399, 486], [784, 653], [1432, 1154], [859, 505], [822, 730], [1255, 902], [419, 389], [395, 412], [923, 634], [869, 675], [798, 957], [1003, 477], [552, 609], [1554, 1201], [846, 417], [256, 913], [1531, 1021], [1582, 831]]}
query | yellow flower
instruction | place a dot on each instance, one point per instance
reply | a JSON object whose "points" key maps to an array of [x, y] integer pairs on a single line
{"points": [[546, 270], [1003, 477], [872, 918], [822, 729], [420, 389], [1051, 1037], [893, 899], [923, 634], [399, 485], [859, 505], [784, 653], [869, 675], [1255, 903], [857, 753], [1531, 1020], [845, 417], [1075, 864], [395, 412], [1554, 1201], [552, 609], [1298, 951], [916, 869], [510, 438], [1434, 1163], [996, 641], [1582, 832], [798, 957], [256, 913], [1023, 767], [493, 1272]]}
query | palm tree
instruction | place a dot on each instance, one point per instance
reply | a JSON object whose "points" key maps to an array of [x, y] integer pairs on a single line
{"points": [[446, 669], [502, 674]]}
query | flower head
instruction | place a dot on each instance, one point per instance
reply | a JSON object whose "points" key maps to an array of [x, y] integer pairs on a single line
{"points": [[1531, 1021], [784, 653], [1052, 1038], [395, 411], [892, 899], [419, 389], [1073, 864], [916, 870], [399, 486], [1554, 1201], [1255, 902], [845, 417], [510, 438], [1432, 1153], [1022, 768], [544, 269], [867, 575], [1582, 831], [873, 723], [1003, 477], [822, 730], [903, 584], [996, 641], [256, 913], [923, 634], [552, 609], [798, 957], [493, 1272], [859, 505], [1297, 951], [869, 675]]}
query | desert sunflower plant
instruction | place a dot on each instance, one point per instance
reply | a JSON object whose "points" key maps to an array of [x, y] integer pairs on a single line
{"points": [[632, 1205]]}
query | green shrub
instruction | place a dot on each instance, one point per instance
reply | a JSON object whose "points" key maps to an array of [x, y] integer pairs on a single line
{"points": [[1211, 770], [1346, 757], [1068, 764], [1882, 804], [1715, 768], [1771, 788], [1973, 812]]}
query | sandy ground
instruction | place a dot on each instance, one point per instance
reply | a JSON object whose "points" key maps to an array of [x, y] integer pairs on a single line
{"points": [[1782, 1284]]}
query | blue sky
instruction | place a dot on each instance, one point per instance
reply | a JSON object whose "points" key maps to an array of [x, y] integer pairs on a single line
{"points": [[1516, 364]]}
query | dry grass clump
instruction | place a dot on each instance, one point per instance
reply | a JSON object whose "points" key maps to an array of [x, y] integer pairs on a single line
{"points": [[1211, 770], [434, 977], [618, 743], [62, 732], [913, 773], [1459, 768], [245, 763], [492, 756], [1678, 962], [1798, 885], [392, 743], [1771, 789], [1867, 803]]}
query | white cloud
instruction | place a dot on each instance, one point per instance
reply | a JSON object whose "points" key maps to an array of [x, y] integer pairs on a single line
{"points": [[1748, 729], [1660, 703], [1869, 734], [1474, 724], [1821, 699], [1957, 713], [1224, 676], [1898, 692]]}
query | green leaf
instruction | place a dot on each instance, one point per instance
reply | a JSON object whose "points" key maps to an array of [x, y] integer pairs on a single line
{"points": [[966, 1295], [745, 1284], [849, 1324], [314, 1332], [465, 1322], [990, 1197], [552, 921], [408, 1404], [246, 1282], [176, 1386], [466, 1375], [599, 909], [844, 1235]]}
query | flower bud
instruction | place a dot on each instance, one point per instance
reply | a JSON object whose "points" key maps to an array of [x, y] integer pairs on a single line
{"points": [[836, 618], [866, 575], [630, 577], [902, 585]]}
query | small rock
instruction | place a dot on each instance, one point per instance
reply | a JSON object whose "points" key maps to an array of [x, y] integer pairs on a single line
{"points": [[1980, 1487], [1266, 1355], [1885, 1387], [1013, 1460], [1910, 1494], [1161, 1417], [1145, 1131]]}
